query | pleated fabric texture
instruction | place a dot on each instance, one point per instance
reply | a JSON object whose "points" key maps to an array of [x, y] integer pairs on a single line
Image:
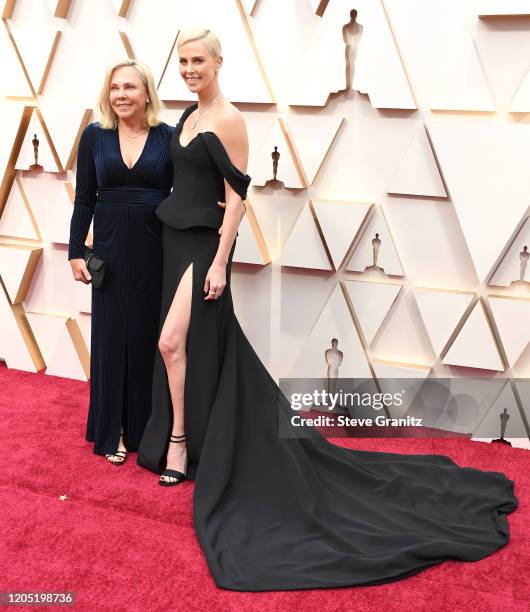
{"points": [[125, 310], [277, 513]]}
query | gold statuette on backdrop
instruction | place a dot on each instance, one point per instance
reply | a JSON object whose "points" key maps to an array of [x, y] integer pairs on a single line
{"points": [[376, 245], [333, 357], [36, 167], [524, 256], [503, 417], [275, 159]]}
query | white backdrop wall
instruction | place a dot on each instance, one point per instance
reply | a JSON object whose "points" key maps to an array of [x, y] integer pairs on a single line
{"points": [[405, 118]]}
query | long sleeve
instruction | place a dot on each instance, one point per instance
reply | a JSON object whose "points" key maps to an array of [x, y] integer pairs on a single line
{"points": [[85, 193]]}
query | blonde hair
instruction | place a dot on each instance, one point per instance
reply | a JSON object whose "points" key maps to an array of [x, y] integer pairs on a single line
{"points": [[108, 118], [213, 44]]}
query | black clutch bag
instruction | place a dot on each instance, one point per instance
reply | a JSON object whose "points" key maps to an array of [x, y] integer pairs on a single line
{"points": [[96, 267]]}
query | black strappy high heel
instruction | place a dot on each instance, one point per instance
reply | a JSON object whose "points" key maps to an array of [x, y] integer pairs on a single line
{"points": [[121, 455], [179, 476]]}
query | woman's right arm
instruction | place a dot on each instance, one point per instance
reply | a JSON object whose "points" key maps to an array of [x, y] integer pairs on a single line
{"points": [[85, 200]]}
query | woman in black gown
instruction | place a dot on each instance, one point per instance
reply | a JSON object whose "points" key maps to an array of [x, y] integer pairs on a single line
{"points": [[123, 173], [270, 512]]}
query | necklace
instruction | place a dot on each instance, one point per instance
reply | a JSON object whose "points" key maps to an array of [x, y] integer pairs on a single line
{"points": [[200, 113], [132, 136]]}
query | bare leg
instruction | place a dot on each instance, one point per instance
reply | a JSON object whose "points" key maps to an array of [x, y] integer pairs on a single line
{"points": [[172, 345]]}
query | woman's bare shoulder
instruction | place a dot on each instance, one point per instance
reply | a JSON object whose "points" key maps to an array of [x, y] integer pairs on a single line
{"points": [[231, 122], [231, 130]]}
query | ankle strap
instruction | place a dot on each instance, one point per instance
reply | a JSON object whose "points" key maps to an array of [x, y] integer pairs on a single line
{"points": [[176, 439]]}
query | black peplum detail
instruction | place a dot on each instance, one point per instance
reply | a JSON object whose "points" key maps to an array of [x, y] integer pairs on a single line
{"points": [[193, 201]]}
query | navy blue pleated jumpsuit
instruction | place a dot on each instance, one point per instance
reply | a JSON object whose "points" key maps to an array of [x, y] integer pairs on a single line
{"points": [[126, 309]]}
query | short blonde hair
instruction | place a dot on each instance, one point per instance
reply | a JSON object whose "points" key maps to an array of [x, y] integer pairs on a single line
{"points": [[108, 119], [213, 44]]}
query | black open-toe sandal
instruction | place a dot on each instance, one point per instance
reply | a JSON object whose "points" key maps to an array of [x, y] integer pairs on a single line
{"points": [[122, 455], [178, 476]]}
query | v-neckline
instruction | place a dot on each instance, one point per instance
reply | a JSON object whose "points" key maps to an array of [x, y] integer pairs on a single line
{"points": [[178, 133], [141, 152], [196, 135], [182, 121], [218, 140]]}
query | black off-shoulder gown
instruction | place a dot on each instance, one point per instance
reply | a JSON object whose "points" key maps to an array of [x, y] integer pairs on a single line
{"points": [[125, 310], [277, 513]]}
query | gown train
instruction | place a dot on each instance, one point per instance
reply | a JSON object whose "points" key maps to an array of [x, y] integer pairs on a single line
{"points": [[278, 513], [275, 513]]}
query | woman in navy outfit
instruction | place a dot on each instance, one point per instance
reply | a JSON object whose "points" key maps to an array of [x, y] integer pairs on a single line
{"points": [[273, 512], [123, 173]]}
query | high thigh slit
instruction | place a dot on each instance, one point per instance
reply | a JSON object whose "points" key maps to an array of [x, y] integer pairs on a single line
{"points": [[203, 354], [282, 513], [170, 341]]}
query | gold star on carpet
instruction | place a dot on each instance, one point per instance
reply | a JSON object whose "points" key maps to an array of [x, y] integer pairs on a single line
{"points": [[63, 497]]}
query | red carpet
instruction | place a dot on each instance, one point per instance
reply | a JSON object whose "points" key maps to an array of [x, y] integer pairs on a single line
{"points": [[121, 542]]}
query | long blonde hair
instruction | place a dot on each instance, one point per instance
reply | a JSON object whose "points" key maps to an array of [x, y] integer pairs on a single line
{"points": [[108, 119]]}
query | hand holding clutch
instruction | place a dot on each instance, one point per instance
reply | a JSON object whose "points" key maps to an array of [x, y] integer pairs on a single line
{"points": [[96, 267]]}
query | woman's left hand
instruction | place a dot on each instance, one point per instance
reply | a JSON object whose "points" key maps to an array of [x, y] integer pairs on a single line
{"points": [[215, 281]]}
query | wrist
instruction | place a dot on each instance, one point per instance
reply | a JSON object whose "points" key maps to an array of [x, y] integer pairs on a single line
{"points": [[220, 261]]}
